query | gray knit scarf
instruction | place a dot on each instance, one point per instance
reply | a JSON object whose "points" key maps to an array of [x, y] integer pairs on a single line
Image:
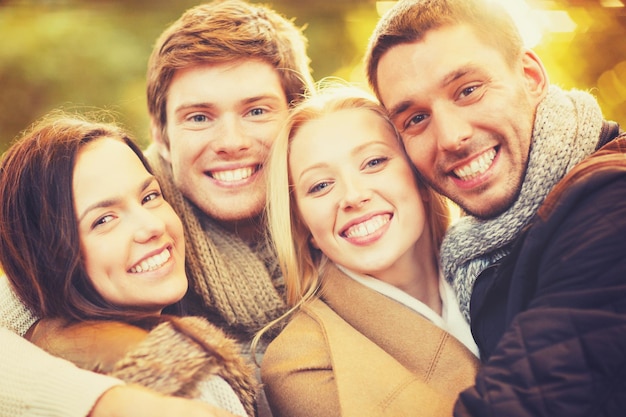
{"points": [[567, 129], [241, 282]]}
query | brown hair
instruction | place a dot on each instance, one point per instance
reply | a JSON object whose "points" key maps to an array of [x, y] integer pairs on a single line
{"points": [[39, 240], [225, 31], [410, 20]]}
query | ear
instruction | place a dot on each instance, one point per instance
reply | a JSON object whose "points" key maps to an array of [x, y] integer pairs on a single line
{"points": [[535, 75], [157, 137]]}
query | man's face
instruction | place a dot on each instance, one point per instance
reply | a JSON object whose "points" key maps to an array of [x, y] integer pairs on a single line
{"points": [[465, 114], [221, 121]]}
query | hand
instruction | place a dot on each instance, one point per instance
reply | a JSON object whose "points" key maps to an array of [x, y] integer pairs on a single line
{"points": [[136, 401], [92, 345]]}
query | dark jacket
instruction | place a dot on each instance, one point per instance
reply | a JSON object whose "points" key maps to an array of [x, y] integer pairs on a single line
{"points": [[550, 318]]}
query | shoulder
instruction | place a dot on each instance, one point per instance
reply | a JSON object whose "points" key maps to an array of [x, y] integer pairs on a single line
{"points": [[305, 330], [300, 348], [580, 228], [601, 174]]}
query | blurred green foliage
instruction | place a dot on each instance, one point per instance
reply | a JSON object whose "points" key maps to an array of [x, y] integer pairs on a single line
{"points": [[91, 55]]}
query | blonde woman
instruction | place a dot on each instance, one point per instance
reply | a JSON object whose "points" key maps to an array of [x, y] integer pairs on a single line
{"points": [[375, 330]]}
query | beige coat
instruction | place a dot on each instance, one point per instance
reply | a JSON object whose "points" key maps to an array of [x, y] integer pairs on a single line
{"points": [[356, 352]]}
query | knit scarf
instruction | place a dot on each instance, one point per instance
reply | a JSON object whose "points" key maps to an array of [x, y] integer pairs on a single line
{"points": [[566, 130], [241, 282]]}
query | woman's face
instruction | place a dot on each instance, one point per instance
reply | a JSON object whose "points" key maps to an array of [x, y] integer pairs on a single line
{"points": [[356, 192], [131, 239]]}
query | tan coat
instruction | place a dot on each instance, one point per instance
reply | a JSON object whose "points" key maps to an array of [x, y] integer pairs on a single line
{"points": [[356, 352]]}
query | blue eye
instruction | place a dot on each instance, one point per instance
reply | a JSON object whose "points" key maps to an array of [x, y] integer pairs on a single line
{"points": [[198, 118], [376, 161], [318, 187], [257, 112]]}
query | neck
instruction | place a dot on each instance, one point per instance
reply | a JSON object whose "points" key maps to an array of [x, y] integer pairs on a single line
{"points": [[423, 285], [417, 274]]}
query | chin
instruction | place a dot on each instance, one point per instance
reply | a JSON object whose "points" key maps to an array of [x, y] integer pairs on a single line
{"points": [[489, 211], [228, 215]]}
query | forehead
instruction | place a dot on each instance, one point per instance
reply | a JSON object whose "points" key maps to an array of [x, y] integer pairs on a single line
{"points": [[427, 64], [225, 82], [338, 133], [103, 167]]}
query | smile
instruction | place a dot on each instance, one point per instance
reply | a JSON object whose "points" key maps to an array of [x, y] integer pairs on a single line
{"points": [[233, 175], [477, 167], [367, 227], [152, 263]]}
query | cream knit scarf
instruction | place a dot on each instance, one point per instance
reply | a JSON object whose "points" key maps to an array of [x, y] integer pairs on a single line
{"points": [[243, 284], [567, 129]]}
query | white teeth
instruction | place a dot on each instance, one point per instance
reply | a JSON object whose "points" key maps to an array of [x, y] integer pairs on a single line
{"points": [[152, 263], [367, 227], [477, 166], [233, 175]]}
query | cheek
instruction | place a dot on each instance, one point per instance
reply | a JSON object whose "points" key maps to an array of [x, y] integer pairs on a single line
{"points": [[317, 220], [419, 155], [95, 259], [96, 274], [186, 148], [266, 136]]}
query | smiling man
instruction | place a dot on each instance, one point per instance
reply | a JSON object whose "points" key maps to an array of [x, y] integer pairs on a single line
{"points": [[538, 261], [220, 83]]}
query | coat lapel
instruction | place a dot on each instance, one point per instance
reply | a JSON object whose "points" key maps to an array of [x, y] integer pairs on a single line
{"points": [[412, 340]]}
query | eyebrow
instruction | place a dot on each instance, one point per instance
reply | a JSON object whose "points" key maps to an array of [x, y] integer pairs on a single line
{"points": [[247, 100], [354, 151], [445, 81], [111, 202]]}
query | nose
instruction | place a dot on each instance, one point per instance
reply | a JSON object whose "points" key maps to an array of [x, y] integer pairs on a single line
{"points": [[148, 225], [355, 194], [231, 137], [453, 130]]}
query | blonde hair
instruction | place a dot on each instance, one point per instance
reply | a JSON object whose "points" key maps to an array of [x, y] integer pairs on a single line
{"points": [[300, 262]]}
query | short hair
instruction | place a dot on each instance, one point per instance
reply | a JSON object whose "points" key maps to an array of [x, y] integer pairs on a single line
{"points": [[299, 261], [227, 31], [40, 248], [410, 20]]}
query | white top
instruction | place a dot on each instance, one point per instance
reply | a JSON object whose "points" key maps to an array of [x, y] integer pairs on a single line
{"points": [[216, 391], [450, 320], [14, 315]]}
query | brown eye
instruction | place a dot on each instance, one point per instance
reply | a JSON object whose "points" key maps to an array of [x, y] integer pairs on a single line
{"points": [[152, 196]]}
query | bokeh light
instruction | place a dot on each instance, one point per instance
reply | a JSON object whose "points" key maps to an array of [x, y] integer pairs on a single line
{"points": [[92, 54]]}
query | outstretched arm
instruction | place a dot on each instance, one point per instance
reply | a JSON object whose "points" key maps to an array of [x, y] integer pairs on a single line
{"points": [[35, 383], [136, 401]]}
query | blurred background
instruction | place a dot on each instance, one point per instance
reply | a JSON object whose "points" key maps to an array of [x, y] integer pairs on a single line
{"points": [[91, 55]]}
